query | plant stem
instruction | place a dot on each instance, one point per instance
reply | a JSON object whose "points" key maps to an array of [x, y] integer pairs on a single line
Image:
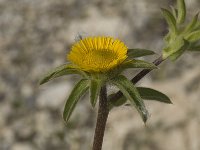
{"points": [[101, 119], [138, 77]]}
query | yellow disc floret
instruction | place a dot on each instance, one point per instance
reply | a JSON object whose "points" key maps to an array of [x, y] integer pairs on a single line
{"points": [[97, 54]]}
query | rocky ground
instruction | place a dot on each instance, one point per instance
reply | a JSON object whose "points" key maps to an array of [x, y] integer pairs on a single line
{"points": [[36, 35]]}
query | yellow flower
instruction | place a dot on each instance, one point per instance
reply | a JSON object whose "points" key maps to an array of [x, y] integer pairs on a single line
{"points": [[98, 54]]}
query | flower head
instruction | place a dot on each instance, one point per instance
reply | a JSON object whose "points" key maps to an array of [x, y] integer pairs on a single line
{"points": [[98, 54]]}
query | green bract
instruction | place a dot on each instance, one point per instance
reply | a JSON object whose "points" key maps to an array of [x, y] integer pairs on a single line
{"points": [[93, 81], [180, 37], [131, 93], [79, 89]]}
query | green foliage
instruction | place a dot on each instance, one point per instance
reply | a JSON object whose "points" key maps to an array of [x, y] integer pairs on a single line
{"points": [[145, 93], [131, 93], [174, 11], [137, 52], [195, 48], [191, 26], [95, 86], [193, 36], [116, 102], [171, 21], [152, 94], [180, 37], [65, 69], [138, 64], [94, 81], [181, 11], [80, 88], [176, 48]]}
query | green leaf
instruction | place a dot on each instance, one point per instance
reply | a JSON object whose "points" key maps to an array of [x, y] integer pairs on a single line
{"points": [[178, 53], [118, 102], [80, 88], [131, 93], [193, 36], [171, 21], [195, 48], [174, 12], [134, 53], [173, 47], [181, 11], [65, 69], [138, 64], [151, 94], [197, 27], [191, 26], [95, 86], [145, 93]]}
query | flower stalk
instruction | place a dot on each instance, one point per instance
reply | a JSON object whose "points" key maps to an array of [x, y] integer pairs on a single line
{"points": [[101, 119]]}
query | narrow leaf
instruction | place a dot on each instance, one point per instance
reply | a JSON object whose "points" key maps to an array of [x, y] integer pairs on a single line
{"points": [[181, 11], [145, 93], [151, 94], [65, 69], [79, 89], [194, 36], [134, 53], [174, 12], [171, 21], [191, 26], [95, 87], [138, 64], [194, 48], [131, 93]]}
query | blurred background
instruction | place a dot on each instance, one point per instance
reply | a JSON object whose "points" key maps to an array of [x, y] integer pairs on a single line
{"points": [[36, 35]]}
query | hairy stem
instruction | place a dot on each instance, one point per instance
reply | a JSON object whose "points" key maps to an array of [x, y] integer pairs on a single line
{"points": [[101, 119], [138, 77]]}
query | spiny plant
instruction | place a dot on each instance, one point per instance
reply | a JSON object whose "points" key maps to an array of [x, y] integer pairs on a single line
{"points": [[101, 61]]}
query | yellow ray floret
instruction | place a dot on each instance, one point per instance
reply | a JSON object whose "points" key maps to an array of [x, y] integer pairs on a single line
{"points": [[97, 54]]}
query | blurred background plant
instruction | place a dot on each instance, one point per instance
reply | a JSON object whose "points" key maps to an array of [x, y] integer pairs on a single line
{"points": [[35, 35]]}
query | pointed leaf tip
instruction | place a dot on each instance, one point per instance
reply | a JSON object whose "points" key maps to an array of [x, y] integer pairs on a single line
{"points": [[174, 11], [131, 93], [152, 94], [138, 64], [171, 21], [138, 52], [193, 36], [191, 26], [62, 70], [181, 11]]}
